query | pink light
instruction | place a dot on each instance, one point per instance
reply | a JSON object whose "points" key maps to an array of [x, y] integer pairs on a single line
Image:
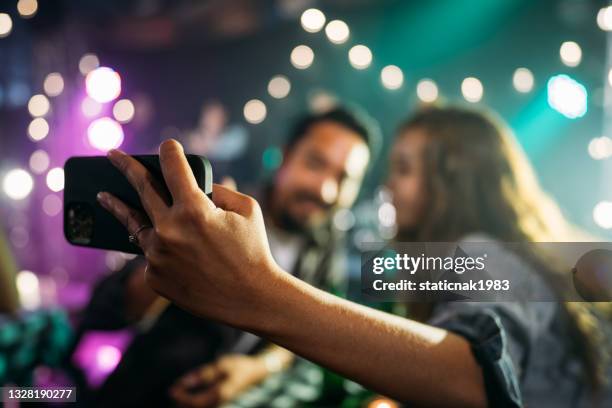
{"points": [[107, 358], [103, 84], [105, 134]]}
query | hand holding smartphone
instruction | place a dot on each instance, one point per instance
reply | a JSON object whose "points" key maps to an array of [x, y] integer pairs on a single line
{"points": [[86, 223]]}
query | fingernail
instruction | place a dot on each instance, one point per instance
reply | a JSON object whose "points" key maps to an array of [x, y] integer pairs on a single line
{"points": [[101, 197]]}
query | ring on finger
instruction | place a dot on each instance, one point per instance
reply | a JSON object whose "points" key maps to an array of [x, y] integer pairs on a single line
{"points": [[133, 237]]}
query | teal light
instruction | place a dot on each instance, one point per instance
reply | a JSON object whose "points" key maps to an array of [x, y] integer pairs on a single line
{"points": [[567, 96], [272, 158]]}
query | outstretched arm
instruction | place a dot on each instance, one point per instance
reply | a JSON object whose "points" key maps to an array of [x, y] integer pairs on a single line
{"points": [[213, 259]]}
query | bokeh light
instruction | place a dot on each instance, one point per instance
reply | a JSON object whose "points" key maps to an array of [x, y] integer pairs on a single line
{"points": [[604, 18], [272, 158], [39, 161], [255, 111], [344, 219], [386, 215], [360, 56], [427, 90], [54, 84], [38, 105], [302, 57], [17, 184], [279, 87], [602, 214], [337, 31], [27, 8], [90, 108], [600, 148], [392, 77], [28, 288], [567, 96], [107, 358], [38, 129], [103, 84], [6, 25], [123, 110], [52, 205], [523, 80], [312, 20], [88, 63], [105, 134], [571, 53], [472, 89], [55, 179]]}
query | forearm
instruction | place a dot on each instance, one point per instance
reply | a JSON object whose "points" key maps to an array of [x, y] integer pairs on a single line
{"points": [[9, 300], [398, 357]]}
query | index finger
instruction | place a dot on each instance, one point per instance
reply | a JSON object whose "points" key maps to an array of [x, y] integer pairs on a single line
{"points": [[142, 181], [176, 170]]}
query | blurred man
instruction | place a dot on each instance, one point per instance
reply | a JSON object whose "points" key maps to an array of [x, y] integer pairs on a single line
{"points": [[324, 161]]}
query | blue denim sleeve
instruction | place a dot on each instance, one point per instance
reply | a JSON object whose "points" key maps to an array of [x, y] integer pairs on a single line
{"points": [[484, 329]]}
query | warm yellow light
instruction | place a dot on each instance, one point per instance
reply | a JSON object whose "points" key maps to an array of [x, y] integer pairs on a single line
{"points": [[54, 84], [392, 77], [427, 90], [360, 56], [472, 89], [337, 31], [302, 57], [312, 20], [255, 111], [27, 8]]}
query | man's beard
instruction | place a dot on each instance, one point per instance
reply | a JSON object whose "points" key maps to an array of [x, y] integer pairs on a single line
{"points": [[291, 223]]}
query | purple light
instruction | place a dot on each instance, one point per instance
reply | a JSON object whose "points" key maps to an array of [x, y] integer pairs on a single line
{"points": [[107, 358], [103, 84], [105, 134]]}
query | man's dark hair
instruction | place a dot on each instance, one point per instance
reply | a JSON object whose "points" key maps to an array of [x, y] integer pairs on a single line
{"points": [[358, 122]]}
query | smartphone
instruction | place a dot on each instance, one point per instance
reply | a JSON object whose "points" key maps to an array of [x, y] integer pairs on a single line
{"points": [[87, 223]]}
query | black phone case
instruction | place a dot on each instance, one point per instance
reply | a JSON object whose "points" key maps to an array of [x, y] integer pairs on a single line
{"points": [[88, 224]]}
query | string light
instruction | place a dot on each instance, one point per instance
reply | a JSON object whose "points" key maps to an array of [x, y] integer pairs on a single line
{"points": [[312, 20], [571, 53], [17, 184], [337, 31], [123, 111], [38, 105], [88, 63], [27, 8], [523, 80], [360, 56], [55, 179], [105, 134], [302, 57], [103, 84], [6, 25], [53, 84], [427, 90], [254, 111], [38, 129], [39, 161], [279, 87], [392, 77], [604, 18], [472, 89]]}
